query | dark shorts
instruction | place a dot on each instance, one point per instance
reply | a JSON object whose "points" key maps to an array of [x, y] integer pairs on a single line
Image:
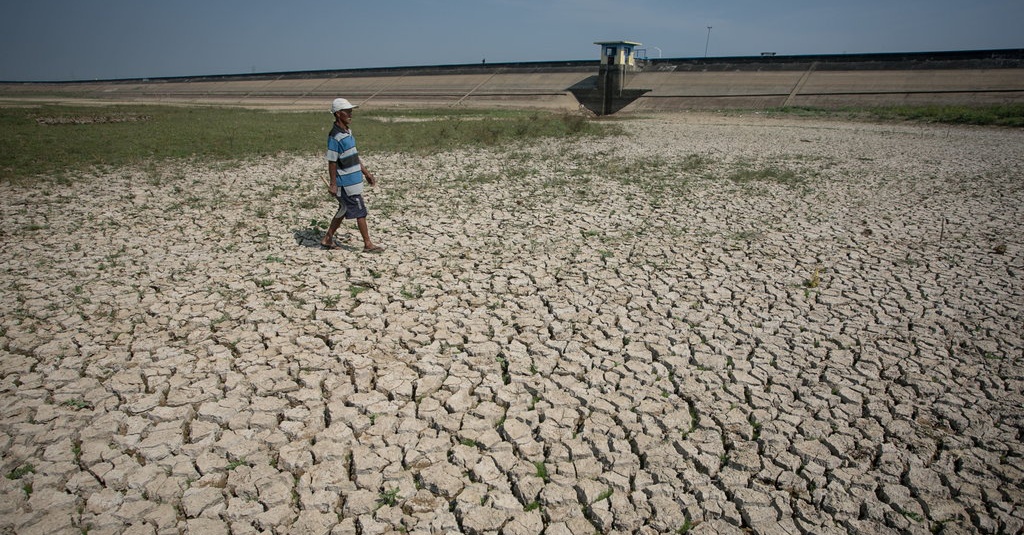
{"points": [[350, 206]]}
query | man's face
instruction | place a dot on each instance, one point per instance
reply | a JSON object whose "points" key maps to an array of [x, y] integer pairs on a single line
{"points": [[345, 116]]}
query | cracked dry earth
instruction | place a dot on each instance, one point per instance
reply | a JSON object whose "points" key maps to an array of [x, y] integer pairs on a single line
{"points": [[710, 325]]}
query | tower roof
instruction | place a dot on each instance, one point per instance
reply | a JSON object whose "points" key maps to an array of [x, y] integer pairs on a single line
{"points": [[630, 43]]}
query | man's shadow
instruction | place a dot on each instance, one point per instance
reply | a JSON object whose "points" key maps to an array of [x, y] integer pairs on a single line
{"points": [[311, 237]]}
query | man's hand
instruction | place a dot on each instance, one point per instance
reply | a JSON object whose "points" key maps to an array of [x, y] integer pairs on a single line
{"points": [[372, 180]]}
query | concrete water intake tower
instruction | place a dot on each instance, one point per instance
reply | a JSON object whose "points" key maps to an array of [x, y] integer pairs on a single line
{"points": [[606, 93]]}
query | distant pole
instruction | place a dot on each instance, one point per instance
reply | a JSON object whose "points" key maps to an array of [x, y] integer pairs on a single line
{"points": [[708, 42], [658, 49]]}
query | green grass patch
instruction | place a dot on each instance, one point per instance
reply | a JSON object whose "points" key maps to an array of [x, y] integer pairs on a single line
{"points": [[686, 527], [771, 173], [77, 404], [412, 291], [62, 142], [428, 131], [236, 463], [1007, 115], [21, 471], [542, 470], [656, 175], [388, 498], [995, 115]]}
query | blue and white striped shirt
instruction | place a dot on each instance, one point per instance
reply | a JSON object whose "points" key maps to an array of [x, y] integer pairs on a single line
{"points": [[341, 149]]}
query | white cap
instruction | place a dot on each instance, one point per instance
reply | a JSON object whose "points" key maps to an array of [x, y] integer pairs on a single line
{"points": [[341, 104]]}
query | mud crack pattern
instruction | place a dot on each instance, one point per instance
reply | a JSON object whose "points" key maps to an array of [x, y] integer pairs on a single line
{"points": [[711, 325]]}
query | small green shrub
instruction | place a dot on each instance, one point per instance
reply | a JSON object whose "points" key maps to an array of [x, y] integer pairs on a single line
{"points": [[77, 404], [607, 494], [389, 498], [21, 471], [236, 463], [542, 470]]}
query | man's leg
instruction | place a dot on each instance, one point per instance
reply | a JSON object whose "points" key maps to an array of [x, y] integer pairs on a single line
{"points": [[364, 230], [328, 240]]}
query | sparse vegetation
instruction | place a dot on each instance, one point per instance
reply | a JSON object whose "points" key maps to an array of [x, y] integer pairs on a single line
{"points": [[412, 291], [815, 280], [542, 470], [686, 527], [77, 404], [771, 173], [998, 115], [388, 498], [21, 471], [130, 135], [236, 463], [679, 339]]}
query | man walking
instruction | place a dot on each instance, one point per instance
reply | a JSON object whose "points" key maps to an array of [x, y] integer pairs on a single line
{"points": [[345, 177]]}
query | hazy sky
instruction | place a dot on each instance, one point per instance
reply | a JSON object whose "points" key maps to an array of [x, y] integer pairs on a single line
{"points": [[105, 39]]}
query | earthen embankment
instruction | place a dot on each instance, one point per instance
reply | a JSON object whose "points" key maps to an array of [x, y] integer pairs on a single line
{"points": [[972, 77]]}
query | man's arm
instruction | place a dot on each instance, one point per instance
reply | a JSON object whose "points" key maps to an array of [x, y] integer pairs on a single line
{"points": [[369, 176], [332, 180]]}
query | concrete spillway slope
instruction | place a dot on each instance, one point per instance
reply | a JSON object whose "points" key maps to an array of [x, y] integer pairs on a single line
{"points": [[833, 81]]}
